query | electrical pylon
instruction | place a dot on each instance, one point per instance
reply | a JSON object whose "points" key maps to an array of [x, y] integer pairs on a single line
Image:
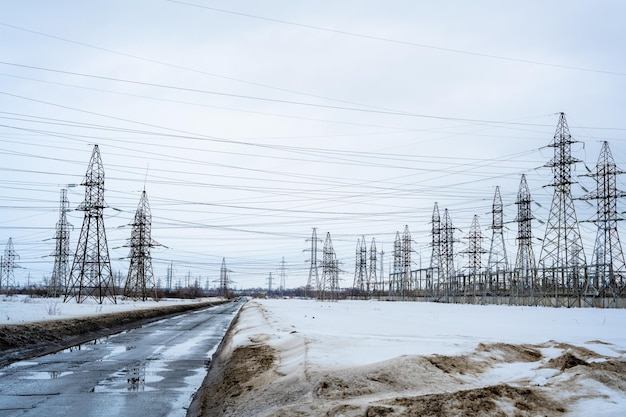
{"points": [[497, 261], [474, 253], [607, 272], [91, 274], [7, 267], [223, 290], [314, 267], [562, 258], [58, 281], [433, 285], [447, 270], [283, 276], [372, 278], [525, 266], [360, 268], [395, 280], [329, 288], [140, 280], [407, 250]]}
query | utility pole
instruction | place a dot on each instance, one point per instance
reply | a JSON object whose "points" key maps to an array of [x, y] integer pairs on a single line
{"points": [[91, 274]]}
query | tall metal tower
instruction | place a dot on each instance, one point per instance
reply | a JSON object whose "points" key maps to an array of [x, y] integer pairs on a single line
{"points": [[7, 267], [283, 275], [497, 261], [372, 278], [447, 270], [525, 265], [407, 250], [329, 288], [140, 280], [562, 258], [433, 285], [395, 280], [474, 252], [223, 290], [608, 271], [360, 267], [314, 278], [91, 271], [61, 268]]}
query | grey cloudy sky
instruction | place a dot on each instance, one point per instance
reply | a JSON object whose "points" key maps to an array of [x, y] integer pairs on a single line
{"points": [[257, 121]]}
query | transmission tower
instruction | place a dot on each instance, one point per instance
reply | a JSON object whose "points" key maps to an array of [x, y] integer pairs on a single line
{"points": [[407, 281], [7, 267], [607, 267], [395, 280], [497, 261], [360, 267], [270, 281], [525, 266], [314, 278], [283, 275], [91, 275], [474, 252], [58, 281], [562, 258], [372, 279], [433, 284], [329, 289], [140, 280], [447, 271], [223, 290]]}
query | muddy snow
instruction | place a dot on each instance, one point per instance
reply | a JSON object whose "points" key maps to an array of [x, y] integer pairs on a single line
{"points": [[372, 358]]}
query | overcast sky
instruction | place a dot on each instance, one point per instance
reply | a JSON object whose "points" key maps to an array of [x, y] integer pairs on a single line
{"points": [[249, 123]]}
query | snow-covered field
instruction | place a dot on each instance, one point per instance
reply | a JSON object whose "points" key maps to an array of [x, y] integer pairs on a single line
{"points": [[23, 309], [366, 357]]}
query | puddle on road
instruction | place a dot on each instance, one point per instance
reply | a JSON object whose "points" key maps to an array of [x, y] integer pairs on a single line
{"points": [[47, 374], [132, 378]]}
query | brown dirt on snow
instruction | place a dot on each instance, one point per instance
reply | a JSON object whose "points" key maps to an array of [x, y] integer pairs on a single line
{"points": [[244, 380], [486, 402]]}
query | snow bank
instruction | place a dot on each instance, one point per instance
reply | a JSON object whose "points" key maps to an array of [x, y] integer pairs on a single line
{"points": [[23, 309]]}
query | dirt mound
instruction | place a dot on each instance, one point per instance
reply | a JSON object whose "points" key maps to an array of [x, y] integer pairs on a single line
{"points": [[242, 371], [511, 353], [565, 361], [488, 401]]}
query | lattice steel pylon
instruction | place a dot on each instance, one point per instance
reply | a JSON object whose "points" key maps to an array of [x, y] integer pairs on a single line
{"points": [[329, 288], [474, 253], [395, 280], [313, 266], [525, 266], [372, 277], [7, 267], [562, 257], [58, 280], [91, 274], [407, 279], [360, 268], [447, 271], [497, 261], [608, 270], [433, 285], [140, 279], [224, 279]]}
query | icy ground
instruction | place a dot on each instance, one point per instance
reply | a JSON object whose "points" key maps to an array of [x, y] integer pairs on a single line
{"points": [[23, 309], [404, 358]]}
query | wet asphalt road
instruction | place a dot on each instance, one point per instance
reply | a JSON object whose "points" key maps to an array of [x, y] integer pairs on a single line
{"points": [[150, 371]]}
